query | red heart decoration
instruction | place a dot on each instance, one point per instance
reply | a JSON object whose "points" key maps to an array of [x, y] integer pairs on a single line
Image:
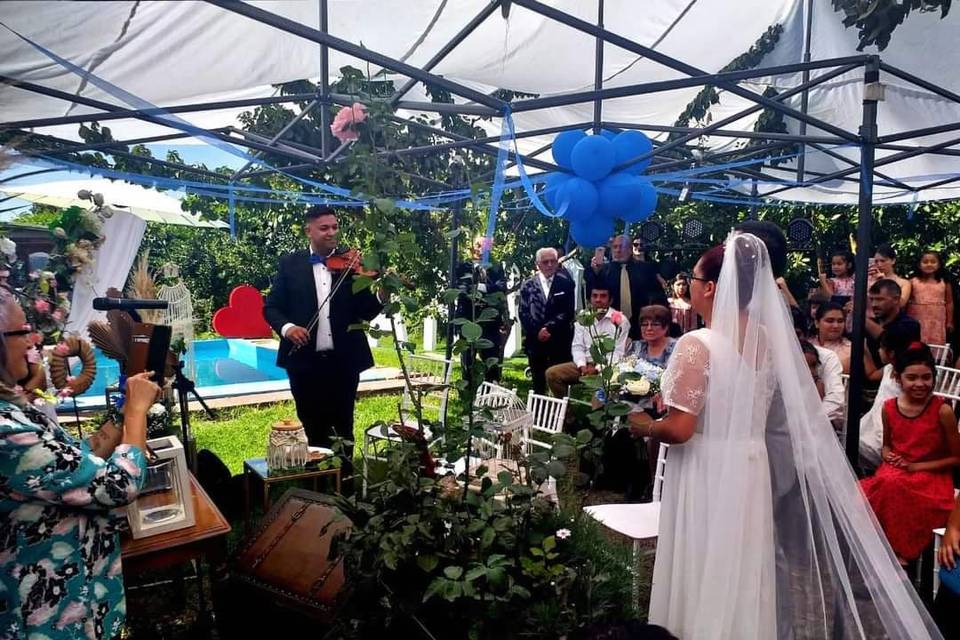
{"points": [[243, 315]]}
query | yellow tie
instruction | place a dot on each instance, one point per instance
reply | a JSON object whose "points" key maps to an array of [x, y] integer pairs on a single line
{"points": [[626, 305]]}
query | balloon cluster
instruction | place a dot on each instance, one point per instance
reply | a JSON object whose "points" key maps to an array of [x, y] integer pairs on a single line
{"points": [[593, 197]]}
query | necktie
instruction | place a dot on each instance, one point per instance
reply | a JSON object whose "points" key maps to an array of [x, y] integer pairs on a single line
{"points": [[316, 258], [626, 304]]}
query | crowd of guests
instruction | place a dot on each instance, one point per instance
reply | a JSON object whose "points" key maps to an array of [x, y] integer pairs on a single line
{"points": [[909, 441]]}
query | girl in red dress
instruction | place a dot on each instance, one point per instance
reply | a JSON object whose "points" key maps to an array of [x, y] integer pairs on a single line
{"points": [[912, 491]]}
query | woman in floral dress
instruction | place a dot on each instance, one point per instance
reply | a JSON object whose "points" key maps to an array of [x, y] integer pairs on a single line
{"points": [[60, 573]]}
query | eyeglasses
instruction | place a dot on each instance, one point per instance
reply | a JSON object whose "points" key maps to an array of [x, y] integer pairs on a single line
{"points": [[25, 331], [651, 324], [690, 276]]}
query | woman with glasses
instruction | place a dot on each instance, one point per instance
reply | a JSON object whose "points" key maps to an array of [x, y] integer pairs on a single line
{"points": [[60, 573], [655, 344]]}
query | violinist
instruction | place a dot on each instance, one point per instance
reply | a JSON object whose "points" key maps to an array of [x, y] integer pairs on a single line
{"points": [[311, 305]]}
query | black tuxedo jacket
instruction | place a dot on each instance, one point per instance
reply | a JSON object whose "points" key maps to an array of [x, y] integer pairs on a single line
{"points": [[554, 312], [293, 298]]}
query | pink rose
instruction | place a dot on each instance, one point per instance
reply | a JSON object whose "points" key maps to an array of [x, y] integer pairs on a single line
{"points": [[57, 315], [344, 123], [616, 317], [42, 306]]}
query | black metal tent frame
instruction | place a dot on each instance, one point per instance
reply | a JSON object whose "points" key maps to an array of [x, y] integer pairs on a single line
{"points": [[867, 139]]}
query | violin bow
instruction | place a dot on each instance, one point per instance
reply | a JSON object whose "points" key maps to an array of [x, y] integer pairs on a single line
{"points": [[315, 320]]}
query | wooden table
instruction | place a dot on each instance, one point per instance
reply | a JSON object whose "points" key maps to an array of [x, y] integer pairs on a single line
{"points": [[207, 538], [257, 467]]}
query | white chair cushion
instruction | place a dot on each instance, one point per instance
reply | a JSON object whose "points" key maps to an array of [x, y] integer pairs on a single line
{"points": [[636, 521]]}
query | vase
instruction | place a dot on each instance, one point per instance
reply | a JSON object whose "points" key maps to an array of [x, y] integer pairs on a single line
{"points": [[287, 448]]}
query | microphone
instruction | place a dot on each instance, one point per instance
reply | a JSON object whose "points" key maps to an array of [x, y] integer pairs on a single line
{"points": [[127, 304]]}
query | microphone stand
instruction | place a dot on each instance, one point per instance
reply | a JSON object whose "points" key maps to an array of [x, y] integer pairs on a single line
{"points": [[185, 386]]}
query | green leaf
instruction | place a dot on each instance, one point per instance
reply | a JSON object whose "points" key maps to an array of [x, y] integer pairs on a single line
{"points": [[453, 572], [450, 296], [488, 314], [556, 468], [385, 205], [434, 588], [618, 408], [477, 572], [471, 331], [489, 535], [549, 543], [427, 562], [584, 436], [360, 283], [451, 590]]}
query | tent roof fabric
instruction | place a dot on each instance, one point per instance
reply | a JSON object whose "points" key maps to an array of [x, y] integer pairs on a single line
{"points": [[148, 204], [188, 52]]}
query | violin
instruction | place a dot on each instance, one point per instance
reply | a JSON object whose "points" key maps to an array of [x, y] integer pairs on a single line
{"points": [[350, 261]]}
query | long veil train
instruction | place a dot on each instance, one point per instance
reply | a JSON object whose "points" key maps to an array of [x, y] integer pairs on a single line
{"points": [[765, 440]]}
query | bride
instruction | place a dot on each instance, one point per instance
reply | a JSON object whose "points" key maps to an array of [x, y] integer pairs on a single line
{"points": [[764, 533]]}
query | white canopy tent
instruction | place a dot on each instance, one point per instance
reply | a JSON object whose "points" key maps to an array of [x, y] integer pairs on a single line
{"points": [[193, 52]]}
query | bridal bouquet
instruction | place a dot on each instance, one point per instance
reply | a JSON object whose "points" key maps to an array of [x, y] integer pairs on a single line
{"points": [[640, 379]]}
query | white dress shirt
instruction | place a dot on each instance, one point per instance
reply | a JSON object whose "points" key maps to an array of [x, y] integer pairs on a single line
{"points": [[324, 282], [545, 283], [831, 374], [582, 341]]}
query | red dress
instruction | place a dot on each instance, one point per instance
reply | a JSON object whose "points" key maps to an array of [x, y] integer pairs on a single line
{"points": [[909, 505]]}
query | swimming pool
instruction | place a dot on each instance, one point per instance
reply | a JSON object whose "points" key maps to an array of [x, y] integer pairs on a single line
{"points": [[224, 367]]}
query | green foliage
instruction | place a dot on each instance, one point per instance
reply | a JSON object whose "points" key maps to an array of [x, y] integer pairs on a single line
{"points": [[876, 20]]}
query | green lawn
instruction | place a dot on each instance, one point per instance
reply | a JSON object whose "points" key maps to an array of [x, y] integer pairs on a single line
{"points": [[241, 432]]}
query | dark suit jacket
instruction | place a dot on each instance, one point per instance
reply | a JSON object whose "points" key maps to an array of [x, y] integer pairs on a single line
{"points": [[492, 276], [554, 312], [293, 298], [645, 289]]}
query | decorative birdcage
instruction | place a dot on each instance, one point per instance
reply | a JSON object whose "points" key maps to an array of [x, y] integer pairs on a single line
{"points": [[179, 313]]}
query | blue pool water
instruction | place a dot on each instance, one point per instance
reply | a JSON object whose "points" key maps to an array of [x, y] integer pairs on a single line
{"points": [[223, 367]]}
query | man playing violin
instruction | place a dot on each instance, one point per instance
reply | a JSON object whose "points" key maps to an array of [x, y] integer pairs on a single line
{"points": [[311, 305]]}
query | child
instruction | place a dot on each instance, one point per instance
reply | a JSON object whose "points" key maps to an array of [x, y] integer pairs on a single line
{"points": [[912, 491], [931, 299], [813, 361], [840, 286]]}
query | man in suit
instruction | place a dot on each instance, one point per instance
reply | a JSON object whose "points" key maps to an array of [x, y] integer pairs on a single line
{"points": [[489, 280], [546, 315], [632, 284], [312, 307]]}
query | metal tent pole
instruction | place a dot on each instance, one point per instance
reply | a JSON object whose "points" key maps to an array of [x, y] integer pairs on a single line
{"points": [[598, 73], [868, 135]]}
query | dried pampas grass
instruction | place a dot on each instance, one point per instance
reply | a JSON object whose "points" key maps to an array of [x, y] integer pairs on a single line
{"points": [[142, 286]]}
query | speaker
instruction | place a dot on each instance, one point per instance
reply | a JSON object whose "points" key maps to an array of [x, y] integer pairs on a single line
{"points": [[287, 559]]}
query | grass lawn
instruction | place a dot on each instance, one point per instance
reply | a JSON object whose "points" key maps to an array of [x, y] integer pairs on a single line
{"points": [[241, 432]]}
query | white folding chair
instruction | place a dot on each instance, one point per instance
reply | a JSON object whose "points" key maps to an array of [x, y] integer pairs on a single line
{"points": [[546, 420], [423, 371], [948, 380], [941, 353], [636, 521], [493, 396]]}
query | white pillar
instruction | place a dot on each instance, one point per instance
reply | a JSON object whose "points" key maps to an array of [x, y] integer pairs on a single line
{"points": [[429, 333], [513, 340]]}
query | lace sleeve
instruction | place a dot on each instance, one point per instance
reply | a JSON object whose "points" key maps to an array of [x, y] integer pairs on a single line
{"points": [[684, 383]]}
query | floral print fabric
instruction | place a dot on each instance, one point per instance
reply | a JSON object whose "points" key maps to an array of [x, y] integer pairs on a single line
{"points": [[60, 573]]}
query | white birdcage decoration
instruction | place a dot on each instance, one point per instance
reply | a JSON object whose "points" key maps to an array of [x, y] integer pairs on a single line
{"points": [[179, 313]]}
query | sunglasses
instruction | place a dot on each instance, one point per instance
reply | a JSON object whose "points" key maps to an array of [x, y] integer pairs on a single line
{"points": [[25, 331]]}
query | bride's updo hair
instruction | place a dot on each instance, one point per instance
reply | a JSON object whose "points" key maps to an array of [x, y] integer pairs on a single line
{"points": [[747, 259]]}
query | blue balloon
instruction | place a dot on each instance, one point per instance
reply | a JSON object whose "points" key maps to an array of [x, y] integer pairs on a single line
{"points": [[630, 144], [644, 205], [577, 199], [609, 135], [595, 232], [563, 146], [619, 193], [552, 187], [593, 157]]}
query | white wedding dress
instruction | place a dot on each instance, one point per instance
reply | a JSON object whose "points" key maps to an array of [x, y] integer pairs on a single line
{"points": [[741, 555], [764, 532]]}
